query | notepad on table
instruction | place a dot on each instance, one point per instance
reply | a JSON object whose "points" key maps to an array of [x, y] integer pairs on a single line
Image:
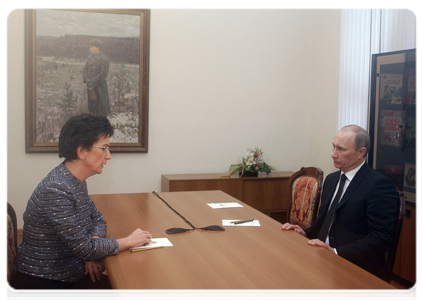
{"points": [[159, 242], [224, 205]]}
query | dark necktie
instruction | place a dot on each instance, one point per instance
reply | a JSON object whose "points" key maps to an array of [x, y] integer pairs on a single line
{"points": [[323, 233]]}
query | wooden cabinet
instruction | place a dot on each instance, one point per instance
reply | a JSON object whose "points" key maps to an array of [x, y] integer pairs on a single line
{"points": [[405, 261], [268, 194]]}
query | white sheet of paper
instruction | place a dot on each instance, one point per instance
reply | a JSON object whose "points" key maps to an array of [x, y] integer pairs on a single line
{"points": [[224, 205], [252, 223], [156, 243]]}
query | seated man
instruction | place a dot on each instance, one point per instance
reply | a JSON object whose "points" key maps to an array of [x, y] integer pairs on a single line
{"points": [[359, 223]]}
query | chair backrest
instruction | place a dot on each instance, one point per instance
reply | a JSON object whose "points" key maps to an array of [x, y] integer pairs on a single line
{"points": [[12, 243], [393, 250], [305, 188]]}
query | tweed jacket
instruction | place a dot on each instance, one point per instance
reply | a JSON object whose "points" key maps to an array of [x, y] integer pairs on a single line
{"points": [[59, 222]]}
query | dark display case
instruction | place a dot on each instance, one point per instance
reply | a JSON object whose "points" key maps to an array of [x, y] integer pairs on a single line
{"points": [[393, 119], [392, 127]]}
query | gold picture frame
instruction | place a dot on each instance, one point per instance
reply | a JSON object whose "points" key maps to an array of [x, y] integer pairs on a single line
{"points": [[56, 50]]}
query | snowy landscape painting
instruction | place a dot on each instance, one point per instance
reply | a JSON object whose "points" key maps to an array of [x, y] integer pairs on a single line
{"points": [[58, 47]]}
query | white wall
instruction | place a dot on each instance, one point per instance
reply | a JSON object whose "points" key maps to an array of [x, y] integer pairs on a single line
{"points": [[220, 81], [324, 93]]}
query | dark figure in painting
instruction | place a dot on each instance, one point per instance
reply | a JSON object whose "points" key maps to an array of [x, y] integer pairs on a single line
{"points": [[94, 75]]}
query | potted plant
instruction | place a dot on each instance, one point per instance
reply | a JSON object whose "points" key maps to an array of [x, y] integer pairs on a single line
{"points": [[250, 164]]}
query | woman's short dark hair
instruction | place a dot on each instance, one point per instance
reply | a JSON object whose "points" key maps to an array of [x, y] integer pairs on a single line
{"points": [[82, 130]]}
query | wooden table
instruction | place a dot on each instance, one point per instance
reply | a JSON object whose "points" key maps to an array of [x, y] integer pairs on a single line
{"points": [[262, 257]]}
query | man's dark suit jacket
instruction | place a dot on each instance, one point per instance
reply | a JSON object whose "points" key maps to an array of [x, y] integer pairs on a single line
{"points": [[365, 219]]}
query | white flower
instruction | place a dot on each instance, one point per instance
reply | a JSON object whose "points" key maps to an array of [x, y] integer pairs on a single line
{"points": [[249, 154], [250, 161]]}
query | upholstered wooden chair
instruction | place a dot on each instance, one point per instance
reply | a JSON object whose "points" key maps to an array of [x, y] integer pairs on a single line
{"points": [[393, 250], [305, 190], [12, 243]]}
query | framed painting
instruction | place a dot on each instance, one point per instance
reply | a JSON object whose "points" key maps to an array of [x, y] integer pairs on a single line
{"points": [[86, 61], [410, 177]]}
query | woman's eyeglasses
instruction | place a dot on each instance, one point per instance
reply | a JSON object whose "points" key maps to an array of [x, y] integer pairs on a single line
{"points": [[106, 148]]}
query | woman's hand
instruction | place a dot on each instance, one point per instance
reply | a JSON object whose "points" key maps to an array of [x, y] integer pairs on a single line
{"points": [[139, 238], [296, 228], [95, 269], [135, 239]]}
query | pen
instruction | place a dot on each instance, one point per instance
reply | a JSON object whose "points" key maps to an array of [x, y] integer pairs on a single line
{"points": [[243, 221], [143, 249]]}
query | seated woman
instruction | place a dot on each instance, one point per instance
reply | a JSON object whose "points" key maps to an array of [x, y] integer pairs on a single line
{"points": [[64, 241]]}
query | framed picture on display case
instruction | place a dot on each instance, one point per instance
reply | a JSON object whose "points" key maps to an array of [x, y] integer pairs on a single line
{"points": [[410, 177]]}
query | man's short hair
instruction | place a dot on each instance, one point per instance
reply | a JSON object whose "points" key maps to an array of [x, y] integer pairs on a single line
{"points": [[362, 137]]}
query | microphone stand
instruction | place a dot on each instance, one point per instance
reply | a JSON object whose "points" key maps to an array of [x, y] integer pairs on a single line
{"points": [[180, 230]]}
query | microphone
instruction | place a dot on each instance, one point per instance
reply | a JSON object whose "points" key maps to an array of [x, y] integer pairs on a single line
{"points": [[175, 230]]}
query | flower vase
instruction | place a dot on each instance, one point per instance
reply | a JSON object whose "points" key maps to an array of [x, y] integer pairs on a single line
{"points": [[248, 174]]}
